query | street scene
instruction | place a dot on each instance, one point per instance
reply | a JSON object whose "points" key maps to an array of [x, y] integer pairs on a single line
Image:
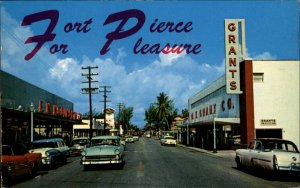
{"points": [[148, 164], [150, 94]]}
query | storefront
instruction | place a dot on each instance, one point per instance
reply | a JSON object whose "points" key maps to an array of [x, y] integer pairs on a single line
{"points": [[24, 105], [267, 107]]}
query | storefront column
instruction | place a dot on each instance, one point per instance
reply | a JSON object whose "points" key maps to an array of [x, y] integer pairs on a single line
{"points": [[246, 103]]}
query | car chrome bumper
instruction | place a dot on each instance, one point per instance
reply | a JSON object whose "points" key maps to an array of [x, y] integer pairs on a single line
{"points": [[100, 162], [294, 167]]}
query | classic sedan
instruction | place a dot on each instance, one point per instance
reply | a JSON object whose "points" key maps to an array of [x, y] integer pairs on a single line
{"points": [[77, 146], [18, 163], [274, 155], [103, 150], [168, 140], [54, 151]]}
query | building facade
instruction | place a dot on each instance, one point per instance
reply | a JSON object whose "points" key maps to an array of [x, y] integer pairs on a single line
{"points": [[83, 129], [267, 107], [23, 105]]}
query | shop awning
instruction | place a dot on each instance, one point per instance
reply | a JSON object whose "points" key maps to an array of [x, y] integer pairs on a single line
{"points": [[220, 121]]}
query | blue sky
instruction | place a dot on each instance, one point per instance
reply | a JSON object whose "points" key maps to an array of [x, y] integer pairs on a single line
{"points": [[272, 32]]}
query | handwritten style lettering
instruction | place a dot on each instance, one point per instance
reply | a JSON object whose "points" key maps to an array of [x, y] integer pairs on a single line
{"points": [[119, 33], [47, 36], [122, 30]]}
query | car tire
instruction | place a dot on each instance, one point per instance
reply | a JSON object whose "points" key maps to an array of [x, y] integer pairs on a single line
{"points": [[7, 181], [239, 166], [86, 167]]}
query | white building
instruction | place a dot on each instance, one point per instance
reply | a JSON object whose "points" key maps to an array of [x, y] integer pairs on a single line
{"points": [[83, 130], [276, 99], [268, 106]]}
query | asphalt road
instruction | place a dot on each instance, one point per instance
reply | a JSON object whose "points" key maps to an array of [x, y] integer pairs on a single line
{"points": [[150, 165]]}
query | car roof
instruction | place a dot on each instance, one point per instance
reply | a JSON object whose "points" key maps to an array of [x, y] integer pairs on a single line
{"points": [[48, 140], [105, 137]]}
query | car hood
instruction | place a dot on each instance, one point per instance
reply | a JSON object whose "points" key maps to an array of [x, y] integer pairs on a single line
{"points": [[101, 150]]}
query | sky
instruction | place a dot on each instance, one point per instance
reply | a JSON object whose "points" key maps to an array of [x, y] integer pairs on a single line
{"points": [[136, 79]]}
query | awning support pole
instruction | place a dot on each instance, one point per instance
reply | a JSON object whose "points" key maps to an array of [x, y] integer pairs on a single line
{"points": [[215, 144]]}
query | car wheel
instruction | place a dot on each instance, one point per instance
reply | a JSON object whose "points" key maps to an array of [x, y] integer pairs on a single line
{"points": [[33, 170], [238, 164], [86, 167], [6, 178], [52, 164]]}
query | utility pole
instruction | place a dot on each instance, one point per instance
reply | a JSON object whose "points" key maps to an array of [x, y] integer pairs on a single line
{"points": [[90, 90], [120, 105], [104, 91]]}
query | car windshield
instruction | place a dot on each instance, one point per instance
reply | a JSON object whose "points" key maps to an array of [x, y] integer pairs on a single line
{"points": [[113, 142], [279, 145], [80, 142], [44, 145]]}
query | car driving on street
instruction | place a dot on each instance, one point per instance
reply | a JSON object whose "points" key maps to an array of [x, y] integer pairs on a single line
{"points": [[103, 150]]}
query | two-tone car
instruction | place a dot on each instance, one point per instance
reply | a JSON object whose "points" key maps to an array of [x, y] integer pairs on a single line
{"points": [[270, 154], [103, 150], [54, 151], [77, 145], [168, 140]]}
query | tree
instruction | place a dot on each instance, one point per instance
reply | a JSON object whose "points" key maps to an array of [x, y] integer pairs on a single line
{"points": [[96, 115], [185, 113], [165, 108], [126, 115]]}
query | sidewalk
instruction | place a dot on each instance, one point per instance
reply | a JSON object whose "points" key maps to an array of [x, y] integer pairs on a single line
{"points": [[228, 154]]}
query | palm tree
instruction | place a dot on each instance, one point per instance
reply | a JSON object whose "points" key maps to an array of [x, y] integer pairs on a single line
{"points": [[164, 108]]}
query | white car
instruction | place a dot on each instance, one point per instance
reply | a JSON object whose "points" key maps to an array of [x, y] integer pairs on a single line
{"points": [[168, 140], [53, 150], [270, 154]]}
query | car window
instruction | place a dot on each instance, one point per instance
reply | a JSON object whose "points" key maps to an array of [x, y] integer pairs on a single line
{"points": [[44, 145], [105, 142], [6, 151], [258, 146]]}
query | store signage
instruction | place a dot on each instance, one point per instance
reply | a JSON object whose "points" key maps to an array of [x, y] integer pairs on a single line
{"points": [[234, 54], [58, 111], [268, 122]]}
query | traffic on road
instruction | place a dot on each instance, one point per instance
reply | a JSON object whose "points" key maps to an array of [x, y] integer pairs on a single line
{"points": [[146, 163]]}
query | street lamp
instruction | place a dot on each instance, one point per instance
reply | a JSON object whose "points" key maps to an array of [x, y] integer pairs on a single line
{"points": [[31, 123]]}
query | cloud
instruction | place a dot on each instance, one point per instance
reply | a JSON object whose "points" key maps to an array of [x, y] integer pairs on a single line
{"points": [[263, 56], [169, 58]]}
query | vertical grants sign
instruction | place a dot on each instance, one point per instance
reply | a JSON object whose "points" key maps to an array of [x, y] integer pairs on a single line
{"points": [[234, 53]]}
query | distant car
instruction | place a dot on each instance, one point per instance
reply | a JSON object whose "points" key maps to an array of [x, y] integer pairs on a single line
{"points": [[17, 162], [270, 154], [129, 139], [54, 151], [103, 150], [77, 145], [136, 138], [148, 135], [168, 140]]}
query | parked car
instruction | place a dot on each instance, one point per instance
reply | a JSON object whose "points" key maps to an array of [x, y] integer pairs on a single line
{"points": [[103, 150], [77, 145], [168, 140], [17, 162], [54, 151], [129, 139], [270, 154]]}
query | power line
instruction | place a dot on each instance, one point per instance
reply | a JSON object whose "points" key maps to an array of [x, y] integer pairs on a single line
{"points": [[104, 91], [90, 90]]}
